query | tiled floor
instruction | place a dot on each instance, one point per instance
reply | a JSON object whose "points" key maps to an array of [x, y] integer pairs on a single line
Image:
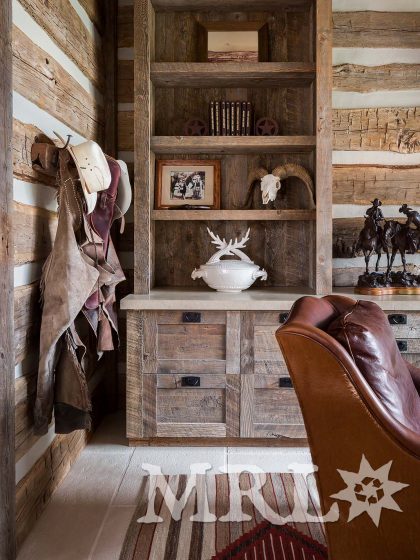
{"points": [[90, 512]]}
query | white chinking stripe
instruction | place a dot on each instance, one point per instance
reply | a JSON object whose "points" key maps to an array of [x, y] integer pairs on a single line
{"points": [[125, 53], [376, 6], [87, 22], [39, 37], [27, 112], [128, 157], [361, 157], [27, 273], [25, 464], [374, 99], [374, 56], [125, 107], [35, 194], [26, 366], [359, 262], [358, 211]]}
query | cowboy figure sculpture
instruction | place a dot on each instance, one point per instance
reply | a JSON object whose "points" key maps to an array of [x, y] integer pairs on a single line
{"points": [[413, 218], [391, 237]]}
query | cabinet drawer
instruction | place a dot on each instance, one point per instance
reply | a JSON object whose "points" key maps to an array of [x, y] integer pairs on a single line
{"points": [[184, 342], [191, 405]]}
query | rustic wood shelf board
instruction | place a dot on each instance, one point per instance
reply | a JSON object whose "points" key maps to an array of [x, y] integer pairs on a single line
{"points": [[230, 74], [227, 5], [243, 215], [231, 144]]}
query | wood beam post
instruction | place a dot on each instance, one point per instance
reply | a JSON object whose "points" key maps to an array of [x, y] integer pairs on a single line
{"points": [[7, 361]]}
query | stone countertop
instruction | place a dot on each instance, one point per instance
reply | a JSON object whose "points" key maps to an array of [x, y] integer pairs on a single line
{"points": [[251, 300]]}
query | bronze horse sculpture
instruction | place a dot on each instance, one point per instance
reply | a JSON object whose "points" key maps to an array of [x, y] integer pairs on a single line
{"points": [[400, 238], [371, 240]]}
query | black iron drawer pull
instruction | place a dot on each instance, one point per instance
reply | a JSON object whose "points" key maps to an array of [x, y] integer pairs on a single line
{"points": [[402, 345], [285, 383], [396, 319], [191, 317], [283, 317], [190, 381]]}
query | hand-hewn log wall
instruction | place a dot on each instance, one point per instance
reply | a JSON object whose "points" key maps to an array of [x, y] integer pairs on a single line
{"points": [[58, 82]]}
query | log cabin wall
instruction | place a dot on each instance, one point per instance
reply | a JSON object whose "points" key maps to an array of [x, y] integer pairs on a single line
{"points": [[58, 85], [376, 119]]}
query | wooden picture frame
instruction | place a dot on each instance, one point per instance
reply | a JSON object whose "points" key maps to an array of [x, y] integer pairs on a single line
{"points": [[231, 27], [192, 182]]}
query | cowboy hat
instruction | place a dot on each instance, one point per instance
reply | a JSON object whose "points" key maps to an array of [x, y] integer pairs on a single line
{"points": [[124, 195], [93, 169], [376, 201]]}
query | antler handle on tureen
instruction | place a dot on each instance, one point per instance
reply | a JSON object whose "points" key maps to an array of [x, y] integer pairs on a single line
{"points": [[231, 248]]}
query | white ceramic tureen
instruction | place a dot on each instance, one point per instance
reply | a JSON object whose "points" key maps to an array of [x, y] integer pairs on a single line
{"points": [[229, 275]]}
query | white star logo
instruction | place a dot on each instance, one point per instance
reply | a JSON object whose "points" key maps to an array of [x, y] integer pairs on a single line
{"points": [[369, 491]]}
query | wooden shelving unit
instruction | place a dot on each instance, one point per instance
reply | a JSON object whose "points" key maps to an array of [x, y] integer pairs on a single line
{"points": [[229, 346]]}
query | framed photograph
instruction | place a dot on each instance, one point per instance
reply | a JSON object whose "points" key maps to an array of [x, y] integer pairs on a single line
{"points": [[187, 182], [237, 41]]}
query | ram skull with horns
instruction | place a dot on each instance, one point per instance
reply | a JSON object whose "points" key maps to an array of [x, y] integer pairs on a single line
{"points": [[271, 183]]}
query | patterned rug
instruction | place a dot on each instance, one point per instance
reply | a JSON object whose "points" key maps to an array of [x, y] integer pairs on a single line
{"points": [[253, 539]]}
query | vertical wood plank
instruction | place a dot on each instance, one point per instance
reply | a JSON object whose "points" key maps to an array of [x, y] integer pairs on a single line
{"points": [[233, 342], [150, 343], [247, 375], [323, 277], [149, 405], [143, 166], [110, 57], [247, 406], [134, 375], [233, 405], [7, 361]]}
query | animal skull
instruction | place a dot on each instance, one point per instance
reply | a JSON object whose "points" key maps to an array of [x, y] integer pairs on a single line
{"points": [[270, 186]]}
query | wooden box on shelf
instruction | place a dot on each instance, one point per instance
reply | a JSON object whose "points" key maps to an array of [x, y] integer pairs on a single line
{"points": [[243, 393]]}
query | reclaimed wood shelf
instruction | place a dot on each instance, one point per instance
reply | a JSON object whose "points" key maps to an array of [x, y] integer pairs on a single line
{"points": [[243, 215], [231, 144], [231, 74], [226, 5]]}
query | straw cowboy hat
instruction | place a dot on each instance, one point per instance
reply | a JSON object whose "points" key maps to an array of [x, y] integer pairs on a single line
{"points": [[124, 195], [92, 167]]}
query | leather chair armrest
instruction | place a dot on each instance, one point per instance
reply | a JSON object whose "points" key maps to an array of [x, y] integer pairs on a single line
{"points": [[415, 375]]}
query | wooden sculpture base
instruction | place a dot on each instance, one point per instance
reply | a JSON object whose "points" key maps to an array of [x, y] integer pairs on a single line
{"points": [[391, 290], [397, 283]]}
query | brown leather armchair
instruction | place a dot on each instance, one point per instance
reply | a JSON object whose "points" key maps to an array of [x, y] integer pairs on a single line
{"points": [[346, 419]]}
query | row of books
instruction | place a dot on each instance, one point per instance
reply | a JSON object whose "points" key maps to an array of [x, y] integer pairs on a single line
{"points": [[231, 118]]}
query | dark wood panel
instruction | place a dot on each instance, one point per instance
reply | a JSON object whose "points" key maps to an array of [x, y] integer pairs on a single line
{"points": [[353, 77], [271, 246], [377, 29], [7, 361], [125, 85], [359, 184], [39, 78], [62, 23], [395, 129], [125, 26]]}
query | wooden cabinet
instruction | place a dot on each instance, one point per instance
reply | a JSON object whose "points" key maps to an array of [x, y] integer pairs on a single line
{"points": [[209, 375]]}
